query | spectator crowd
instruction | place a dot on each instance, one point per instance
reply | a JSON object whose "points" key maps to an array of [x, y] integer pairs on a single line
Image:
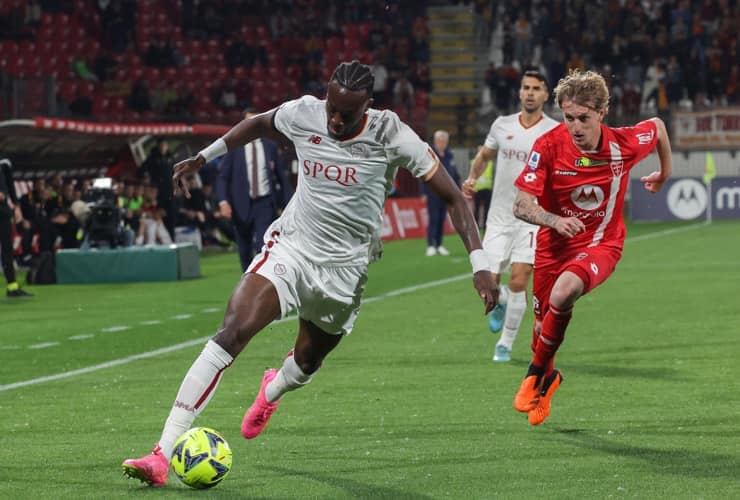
{"points": [[155, 60], [658, 55]]}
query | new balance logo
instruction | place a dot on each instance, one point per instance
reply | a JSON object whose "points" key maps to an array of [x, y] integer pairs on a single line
{"points": [[315, 139], [645, 138]]}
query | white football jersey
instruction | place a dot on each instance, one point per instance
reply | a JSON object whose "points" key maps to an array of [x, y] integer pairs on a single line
{"points": [[337, 209], [513, 142]]}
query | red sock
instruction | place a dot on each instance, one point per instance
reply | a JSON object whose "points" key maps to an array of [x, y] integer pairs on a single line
{"points": [[551, 336]]}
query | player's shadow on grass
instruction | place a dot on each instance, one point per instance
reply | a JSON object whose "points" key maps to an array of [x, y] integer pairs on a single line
{"points": [[689, 463], [355, 489], [641, 349], [667, 373]]}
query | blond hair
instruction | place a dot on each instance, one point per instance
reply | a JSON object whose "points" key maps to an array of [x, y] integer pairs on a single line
{"points": [[584, 88]]}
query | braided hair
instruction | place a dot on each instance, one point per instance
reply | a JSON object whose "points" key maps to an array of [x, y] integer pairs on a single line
{"points": [[354, 76]]}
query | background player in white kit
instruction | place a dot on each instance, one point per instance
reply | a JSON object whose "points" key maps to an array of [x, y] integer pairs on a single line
{"points": [[509, 243], [316, 254]]}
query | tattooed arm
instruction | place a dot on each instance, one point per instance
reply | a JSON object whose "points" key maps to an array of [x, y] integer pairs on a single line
{"points": [[527, 209]]}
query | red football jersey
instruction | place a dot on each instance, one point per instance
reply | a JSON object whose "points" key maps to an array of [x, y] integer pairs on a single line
{"points": [[590, 186]]}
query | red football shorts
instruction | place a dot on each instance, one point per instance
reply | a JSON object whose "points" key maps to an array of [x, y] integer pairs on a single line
{"points": [[592, 265]]}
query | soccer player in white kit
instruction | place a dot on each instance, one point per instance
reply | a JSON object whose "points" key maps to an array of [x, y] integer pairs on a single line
{"points": [[509, 242], [316, 253]]}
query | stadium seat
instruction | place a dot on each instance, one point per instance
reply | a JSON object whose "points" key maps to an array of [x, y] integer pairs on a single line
{"points": [[363, 31], [136, 73], [47, 20], [170, 75], [334, 44], [46, 33], [240, 72], [152, 75], [61, 20], [144, 19], [419, 115], [352, 45], [275, 73], [275, 59], [294, 72], [8, 48], [248, 35], [221, 73], [86, 89], [194, 46], [421, 99], [162, 19], [214, 47], [258, 102], [78, 33], [204, 102], [49, 65], [258, 72], [263, 35], [402, 113], [117, 105], [179, 45], [26, 49], [67, 89], [350, 30], [101, 104]]}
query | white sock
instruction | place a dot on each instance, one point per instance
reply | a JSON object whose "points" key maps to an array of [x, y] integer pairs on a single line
{"points": [[515, 309], [289, 377], [195, 393], [503, 294]]}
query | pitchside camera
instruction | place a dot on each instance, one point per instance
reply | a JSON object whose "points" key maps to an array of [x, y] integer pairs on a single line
{"points": [[104, 227]]}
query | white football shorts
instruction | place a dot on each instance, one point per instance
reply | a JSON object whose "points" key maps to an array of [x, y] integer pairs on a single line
{"points": [[506, 244], [328, 297]]}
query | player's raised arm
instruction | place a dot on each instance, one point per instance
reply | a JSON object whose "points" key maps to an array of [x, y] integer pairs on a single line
{"points": [[240, 134], [484, 155], [654, 181], [441, 184]]}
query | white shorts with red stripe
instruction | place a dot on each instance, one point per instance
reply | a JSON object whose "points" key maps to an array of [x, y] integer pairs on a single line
{"points": [[328, 297], [505, 245]]}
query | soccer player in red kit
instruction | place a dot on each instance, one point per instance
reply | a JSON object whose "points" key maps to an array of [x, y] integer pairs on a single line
{"points": [[573, 185]]}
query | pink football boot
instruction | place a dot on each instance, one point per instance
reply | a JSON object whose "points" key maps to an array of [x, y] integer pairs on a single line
{"points": [[257, 416], [151, 469]]}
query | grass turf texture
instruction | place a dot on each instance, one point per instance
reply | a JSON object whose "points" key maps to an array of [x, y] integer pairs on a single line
{"points": [[410, 405]]}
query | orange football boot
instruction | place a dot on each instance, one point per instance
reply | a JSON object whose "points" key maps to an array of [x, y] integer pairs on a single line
{"points": [[542, 410], [528, 395]]}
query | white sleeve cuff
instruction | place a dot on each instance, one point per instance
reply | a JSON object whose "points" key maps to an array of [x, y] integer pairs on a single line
{"points": [[216, 149], [479, 261]]}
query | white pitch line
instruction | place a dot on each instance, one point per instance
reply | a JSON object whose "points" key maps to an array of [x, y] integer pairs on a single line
{"points": [[190, 343], [114, 329], [43, 345], [665, 232], [115, 362], [81, 337]]}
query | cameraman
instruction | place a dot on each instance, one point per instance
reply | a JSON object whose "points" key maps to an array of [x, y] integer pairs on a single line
{"points": [[9, 208]]}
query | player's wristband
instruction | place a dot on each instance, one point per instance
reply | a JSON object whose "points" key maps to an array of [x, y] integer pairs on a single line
{"points": [[218, 148], [479, 261]]}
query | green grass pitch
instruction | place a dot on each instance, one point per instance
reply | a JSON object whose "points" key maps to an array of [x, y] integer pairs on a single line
{"points": [[410, 405]]}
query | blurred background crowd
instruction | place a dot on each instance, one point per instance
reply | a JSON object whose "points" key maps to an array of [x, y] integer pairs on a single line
{"points": [[138, 61]]}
